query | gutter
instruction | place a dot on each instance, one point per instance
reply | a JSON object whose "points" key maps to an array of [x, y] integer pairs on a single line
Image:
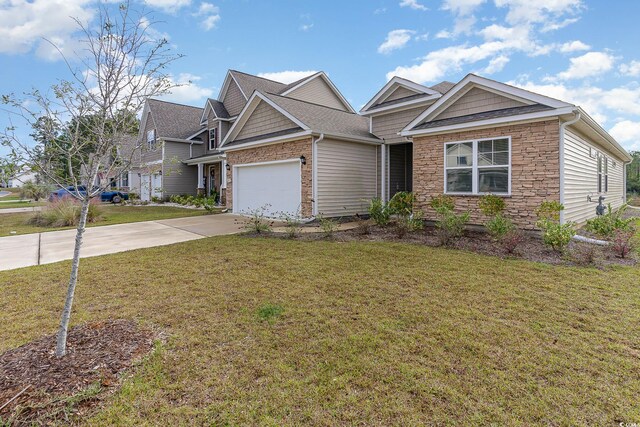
{"points": [[576, 118]]}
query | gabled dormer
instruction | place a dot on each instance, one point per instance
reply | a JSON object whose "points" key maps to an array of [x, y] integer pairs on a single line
{"points": [[398, 94], [318, 89]]}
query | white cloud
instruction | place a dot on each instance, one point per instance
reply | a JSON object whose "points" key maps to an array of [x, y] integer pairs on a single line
{"points": [[627, 132], [188, 91], [461, 7], [169, 6], [588, 65], [496, 64], [380, 10], [538, 11], [210, 14], [306, 27], [286, 77], [631, 69], [573, 46], [23, 25], [396, 39], [413, 4], [444, 34]]}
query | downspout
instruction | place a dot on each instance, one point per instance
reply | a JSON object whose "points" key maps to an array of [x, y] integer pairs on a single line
{"points": [[383, 172], [314, 174], [561, 149]]}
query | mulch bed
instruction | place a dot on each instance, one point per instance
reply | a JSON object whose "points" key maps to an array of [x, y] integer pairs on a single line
{"points": [[531, 249], [97, 354]]}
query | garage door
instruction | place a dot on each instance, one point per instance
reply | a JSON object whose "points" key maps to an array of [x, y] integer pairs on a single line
{"points": [[275, 186]]}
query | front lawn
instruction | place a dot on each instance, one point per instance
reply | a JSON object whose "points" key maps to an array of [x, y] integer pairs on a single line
{"points": [[264, 331], [110, 215], [19, 204]]}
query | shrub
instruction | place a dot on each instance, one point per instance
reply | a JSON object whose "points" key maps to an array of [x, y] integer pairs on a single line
{"points": [[409, 223], [156, 199], [606, 225], [624, 242], [379, 212], [328, 226], [491, 205], [209, 203], [293, 225], [550, 210], [442, 203], [499, 226], [512, 239], [65, 212], [450, 226], [257, 222], [31, 190], [402, 203], [364, 226], [556, 235]]}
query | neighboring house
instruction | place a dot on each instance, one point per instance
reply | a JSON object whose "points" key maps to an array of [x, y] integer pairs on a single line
{"points": [[300, 148], [483, 137], [21, 179]]}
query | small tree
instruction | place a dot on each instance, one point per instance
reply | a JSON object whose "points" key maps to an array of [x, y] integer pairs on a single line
{"points": [[79, 127]]}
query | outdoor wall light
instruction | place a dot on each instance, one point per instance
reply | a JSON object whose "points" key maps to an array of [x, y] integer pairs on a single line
{"points": [[228, 167], [303, 160]]}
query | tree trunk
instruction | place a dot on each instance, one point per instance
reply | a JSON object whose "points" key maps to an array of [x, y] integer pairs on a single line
{"points": [[61, 344]]}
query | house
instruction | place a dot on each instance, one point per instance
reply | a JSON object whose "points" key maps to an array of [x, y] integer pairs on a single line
{"points": [[301, 148], [482, 136], [295, 148], [21, 178]]}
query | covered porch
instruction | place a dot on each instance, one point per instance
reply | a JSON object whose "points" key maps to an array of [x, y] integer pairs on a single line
{"points": [[211, 176]]}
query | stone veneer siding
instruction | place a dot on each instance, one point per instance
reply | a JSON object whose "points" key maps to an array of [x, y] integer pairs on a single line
{"points": [[272, 152], [535, 169]]}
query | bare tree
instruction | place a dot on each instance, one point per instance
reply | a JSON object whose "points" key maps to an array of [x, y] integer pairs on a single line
{"points": [[83, 122]]}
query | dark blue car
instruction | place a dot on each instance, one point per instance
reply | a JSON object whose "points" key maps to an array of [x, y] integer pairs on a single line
{"points": [[105, 196]]}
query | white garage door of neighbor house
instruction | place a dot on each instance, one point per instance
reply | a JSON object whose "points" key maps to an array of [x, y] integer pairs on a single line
{"points": [[276, 186]]}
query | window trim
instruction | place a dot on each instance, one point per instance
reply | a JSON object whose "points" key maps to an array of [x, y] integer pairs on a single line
{"points": [[475, 167], [215, 146], [602, 173]]}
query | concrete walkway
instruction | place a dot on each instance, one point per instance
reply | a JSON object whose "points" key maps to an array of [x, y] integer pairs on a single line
{"points": [[4, 193], [20, 210], [53, 246]]}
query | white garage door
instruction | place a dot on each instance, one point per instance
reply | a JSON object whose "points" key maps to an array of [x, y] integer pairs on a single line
{"points": [[275, 186]]}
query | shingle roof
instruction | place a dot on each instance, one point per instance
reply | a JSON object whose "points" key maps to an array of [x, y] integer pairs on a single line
{"points": [[175, 120], [494, 114], [248, 83], [324, 119], [399, 100], [263, 136], [443, 87], [219, 108]]}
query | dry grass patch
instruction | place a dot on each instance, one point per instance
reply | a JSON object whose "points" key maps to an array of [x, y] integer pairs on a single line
{"points": [[365, 333]]}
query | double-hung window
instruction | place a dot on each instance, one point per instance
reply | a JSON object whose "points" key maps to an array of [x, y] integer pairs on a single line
{"points": [[151, 139], [213, 138], [478, 167]]}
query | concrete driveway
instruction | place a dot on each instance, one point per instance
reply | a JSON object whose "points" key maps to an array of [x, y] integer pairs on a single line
{"points": [[53, 246]]}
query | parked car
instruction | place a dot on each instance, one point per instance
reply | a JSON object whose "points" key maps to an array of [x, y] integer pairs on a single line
{"points": [[105, 196]]}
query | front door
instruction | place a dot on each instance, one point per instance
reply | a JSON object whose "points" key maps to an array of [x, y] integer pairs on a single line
{"points": [[211, 180]]}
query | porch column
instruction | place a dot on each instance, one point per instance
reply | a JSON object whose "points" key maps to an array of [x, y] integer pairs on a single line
{"points": [[223, 184], [200, 183], [383, 172]]}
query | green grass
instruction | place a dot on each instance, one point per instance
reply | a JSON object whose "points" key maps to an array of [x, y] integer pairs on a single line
{"points": [[368, 334], [19, 204], [110, 215]]}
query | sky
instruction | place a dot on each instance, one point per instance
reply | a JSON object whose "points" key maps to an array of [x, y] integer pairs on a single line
{"points": [[580, 51]]}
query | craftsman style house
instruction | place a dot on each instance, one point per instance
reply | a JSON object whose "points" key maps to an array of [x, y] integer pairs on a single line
{"points": [[301, 148]]}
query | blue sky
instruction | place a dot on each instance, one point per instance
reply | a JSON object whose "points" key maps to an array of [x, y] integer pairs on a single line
{"points": [[581, 51]]}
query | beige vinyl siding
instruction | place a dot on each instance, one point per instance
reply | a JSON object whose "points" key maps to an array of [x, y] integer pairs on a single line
{"points": [[178, 178], [346, 177], [147, 155], [581, 178], [264, 119], [319, 92], [400, 92], [233, 100], [388, 125], [477, 101]]}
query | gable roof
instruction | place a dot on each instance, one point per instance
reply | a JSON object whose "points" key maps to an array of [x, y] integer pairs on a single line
{"points": [[249, 83], [379, 103], [218, 108], [172, 120], [319, 75], [472, 81], [311, 118], [443, 87]]}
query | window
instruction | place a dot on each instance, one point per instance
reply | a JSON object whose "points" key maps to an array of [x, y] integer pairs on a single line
{"points": [[124, 179], [603, 174], [477, 167], [213, 138], [151, 139]]}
